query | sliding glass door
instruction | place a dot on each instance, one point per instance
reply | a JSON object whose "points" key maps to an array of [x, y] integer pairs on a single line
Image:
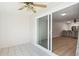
{"points": [[44, 31]]}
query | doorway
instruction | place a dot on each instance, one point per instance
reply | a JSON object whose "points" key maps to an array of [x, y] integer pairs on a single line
{"points": [[65, 31], [44, 32]]}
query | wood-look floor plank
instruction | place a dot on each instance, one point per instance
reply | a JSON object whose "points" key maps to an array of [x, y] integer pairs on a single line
{"points": [[0, 51], [12, 51], [18, 51], [64, 46], [4, 52], [25, 50]]}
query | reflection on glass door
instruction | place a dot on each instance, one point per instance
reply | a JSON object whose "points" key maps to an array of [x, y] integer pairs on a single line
{"points": [[42, 31]]}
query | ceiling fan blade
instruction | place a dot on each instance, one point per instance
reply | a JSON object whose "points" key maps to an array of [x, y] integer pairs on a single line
{"points": [[22, 7], [33, 10], [40, 5]]}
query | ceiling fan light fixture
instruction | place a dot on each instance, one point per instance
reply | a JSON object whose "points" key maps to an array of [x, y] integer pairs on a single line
{"points": [[32, 6]]}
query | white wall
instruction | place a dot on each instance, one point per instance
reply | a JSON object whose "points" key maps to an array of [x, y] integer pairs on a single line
{"points": [[58, 27], [16, 27]]}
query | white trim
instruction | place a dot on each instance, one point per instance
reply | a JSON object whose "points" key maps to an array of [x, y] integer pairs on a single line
{"points": [[48, 33], [51, 32], [35, 41]]}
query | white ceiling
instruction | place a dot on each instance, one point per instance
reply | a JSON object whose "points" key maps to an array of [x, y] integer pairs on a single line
{"points": [[72, 12], [53, 7]]}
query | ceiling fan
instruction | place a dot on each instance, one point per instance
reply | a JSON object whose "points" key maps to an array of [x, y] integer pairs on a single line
{"points": [[32, 5]]}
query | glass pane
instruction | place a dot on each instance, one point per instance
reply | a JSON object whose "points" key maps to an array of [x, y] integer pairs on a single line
{"points": [[42, 31]]}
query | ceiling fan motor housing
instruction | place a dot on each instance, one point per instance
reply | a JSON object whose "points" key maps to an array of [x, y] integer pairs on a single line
{"points": [[28, 3]]}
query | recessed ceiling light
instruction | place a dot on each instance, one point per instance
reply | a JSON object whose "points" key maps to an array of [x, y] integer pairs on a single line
{"points": [[63, 14]]}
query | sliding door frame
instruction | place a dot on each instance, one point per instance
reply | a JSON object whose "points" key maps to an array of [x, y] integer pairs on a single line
{"points": [[49, 33]]}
